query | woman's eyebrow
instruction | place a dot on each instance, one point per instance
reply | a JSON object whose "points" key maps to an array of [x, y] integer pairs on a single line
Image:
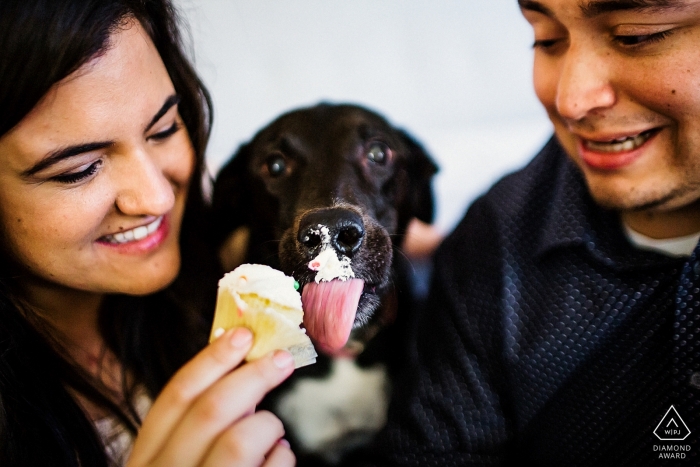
{"points": [[70, 151], [169, 102], [64, 153]]}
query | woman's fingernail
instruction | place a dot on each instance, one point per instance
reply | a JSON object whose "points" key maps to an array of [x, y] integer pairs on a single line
{"points": [[283, 442], [218, 332], [241, 337], [282, 359]]}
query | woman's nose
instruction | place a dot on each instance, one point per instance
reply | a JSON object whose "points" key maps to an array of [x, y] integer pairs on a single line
{"points": [[584, 84], [144, 188]]}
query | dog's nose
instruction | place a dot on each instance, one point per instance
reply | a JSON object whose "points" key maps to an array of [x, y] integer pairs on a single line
{"points": [[340, 228]]}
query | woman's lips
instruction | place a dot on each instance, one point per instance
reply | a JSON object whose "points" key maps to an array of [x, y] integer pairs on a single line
{"points": [[615, 153], [140, 239]]}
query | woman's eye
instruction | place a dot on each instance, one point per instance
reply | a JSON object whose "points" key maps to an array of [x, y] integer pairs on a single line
{"points": [[167, 132], [640, 39], [75, 177], [276, 165], [378, 153]]}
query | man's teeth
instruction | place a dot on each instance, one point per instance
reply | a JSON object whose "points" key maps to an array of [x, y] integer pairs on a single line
{"points": [[135, 234], [627, 143]]}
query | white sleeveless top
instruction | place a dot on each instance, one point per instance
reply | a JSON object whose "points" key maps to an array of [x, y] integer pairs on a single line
{"points": [[117, 439]]}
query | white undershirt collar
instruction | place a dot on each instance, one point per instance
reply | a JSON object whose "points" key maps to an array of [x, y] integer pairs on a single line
{"points": [[677, 247]]}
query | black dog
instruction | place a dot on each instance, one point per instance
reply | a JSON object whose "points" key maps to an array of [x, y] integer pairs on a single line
{"points": [[337, 178]]}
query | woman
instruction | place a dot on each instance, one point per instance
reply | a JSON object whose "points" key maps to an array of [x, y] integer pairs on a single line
{"points": [[104, 276]]}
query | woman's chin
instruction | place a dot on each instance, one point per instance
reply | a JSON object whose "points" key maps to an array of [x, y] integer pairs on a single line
{"points": [[149, 281]]}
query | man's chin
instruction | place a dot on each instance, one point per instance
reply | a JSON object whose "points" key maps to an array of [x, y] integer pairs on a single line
{"points": [[637, 202]]}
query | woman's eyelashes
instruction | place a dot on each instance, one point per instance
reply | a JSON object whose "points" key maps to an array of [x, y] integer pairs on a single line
{"points": [[87, 170], [83, 173], [171, 130]]}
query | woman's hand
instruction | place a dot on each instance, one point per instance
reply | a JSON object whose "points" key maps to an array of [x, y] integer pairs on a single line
{"points": [[205, 416]]}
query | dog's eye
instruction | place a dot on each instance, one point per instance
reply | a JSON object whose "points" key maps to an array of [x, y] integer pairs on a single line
{"points": [[378, 153], [276, 165]]}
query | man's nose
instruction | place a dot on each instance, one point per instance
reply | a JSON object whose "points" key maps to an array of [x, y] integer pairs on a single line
{"points": [[144, 188], [584, 83]]}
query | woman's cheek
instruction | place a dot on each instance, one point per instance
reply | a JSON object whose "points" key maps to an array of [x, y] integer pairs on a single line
{"points": [[179, 159]]}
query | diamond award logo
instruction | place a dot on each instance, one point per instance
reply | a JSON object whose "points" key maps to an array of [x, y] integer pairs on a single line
{"points": [[672, 427]]}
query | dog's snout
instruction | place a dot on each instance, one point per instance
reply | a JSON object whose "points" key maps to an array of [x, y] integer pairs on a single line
{"points": [[349, 238], [340, 228]]}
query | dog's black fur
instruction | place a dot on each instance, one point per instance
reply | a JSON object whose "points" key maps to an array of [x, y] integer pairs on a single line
{"points": [[345, 167]]}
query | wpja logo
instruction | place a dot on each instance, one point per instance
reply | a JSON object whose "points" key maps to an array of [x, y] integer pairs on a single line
{"points": [[672, 428]]}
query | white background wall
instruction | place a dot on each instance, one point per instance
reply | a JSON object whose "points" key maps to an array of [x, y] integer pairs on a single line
{"points": [[455, 73]]}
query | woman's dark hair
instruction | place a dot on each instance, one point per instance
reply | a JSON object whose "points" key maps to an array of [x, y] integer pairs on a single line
{"points": [[42, 42]]}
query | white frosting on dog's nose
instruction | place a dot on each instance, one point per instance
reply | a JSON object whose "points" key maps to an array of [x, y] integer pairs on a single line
{"points": [[326, 263], [329, 267]]}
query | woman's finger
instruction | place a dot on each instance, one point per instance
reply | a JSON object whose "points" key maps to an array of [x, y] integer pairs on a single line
{"points": [[196, 376], [222, 406], [280, 456], [250, 442]]}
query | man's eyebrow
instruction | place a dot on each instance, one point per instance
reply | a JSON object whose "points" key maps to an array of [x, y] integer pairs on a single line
{"points": [[169, 102], [533, 5], [593, 8], [64, 153]]}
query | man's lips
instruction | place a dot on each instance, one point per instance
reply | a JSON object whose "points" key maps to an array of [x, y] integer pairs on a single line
{"points": [[616, 152]]}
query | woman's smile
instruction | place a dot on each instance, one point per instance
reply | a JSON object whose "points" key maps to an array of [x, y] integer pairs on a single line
{"points": [[98, 177], [139, 239]]}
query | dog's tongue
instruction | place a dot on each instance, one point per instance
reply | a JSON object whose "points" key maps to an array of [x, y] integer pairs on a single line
{"points": [[329, 311]]}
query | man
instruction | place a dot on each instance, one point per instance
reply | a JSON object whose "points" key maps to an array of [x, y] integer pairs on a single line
{"points": [[563, 325]]}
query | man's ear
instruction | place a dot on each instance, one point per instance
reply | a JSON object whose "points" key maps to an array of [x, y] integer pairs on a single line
{"points": [[421, 169]]}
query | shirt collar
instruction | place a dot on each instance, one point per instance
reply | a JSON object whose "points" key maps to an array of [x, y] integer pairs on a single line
{"points": [[576, 221]]}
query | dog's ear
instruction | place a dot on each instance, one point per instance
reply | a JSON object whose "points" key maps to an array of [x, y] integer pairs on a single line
{"points": [[243, 211], [231, 198], [421, 168]]}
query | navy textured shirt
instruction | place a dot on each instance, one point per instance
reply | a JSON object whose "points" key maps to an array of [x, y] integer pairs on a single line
{"points": [[548, 339]]}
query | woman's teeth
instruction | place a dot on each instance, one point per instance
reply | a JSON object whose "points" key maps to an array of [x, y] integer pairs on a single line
{"points": [[134, 234], [627, 143]]}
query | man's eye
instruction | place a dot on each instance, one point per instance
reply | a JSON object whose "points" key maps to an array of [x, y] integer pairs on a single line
{"points": [[75, 177], [640, 39], [544, 43], [550, 46]]}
